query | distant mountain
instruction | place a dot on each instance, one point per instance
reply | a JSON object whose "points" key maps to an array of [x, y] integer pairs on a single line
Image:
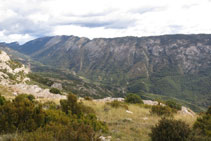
{"points": [[14, 45], [170, 65]]}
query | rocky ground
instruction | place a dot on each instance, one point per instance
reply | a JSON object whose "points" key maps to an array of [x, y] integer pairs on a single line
{"points": [[13, 76]]}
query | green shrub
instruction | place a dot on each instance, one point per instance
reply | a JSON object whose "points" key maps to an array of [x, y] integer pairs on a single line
{"points": [[209, 110], [88, 98], [173, 105], [133, 98], [161, 110], [117, 104], [21, 114], [61, 132], [50, 105], [25, 96], [2, 100], [203, 124], [70, 121], [72, 106], [55, 91], [40, 79], [170, 130]]}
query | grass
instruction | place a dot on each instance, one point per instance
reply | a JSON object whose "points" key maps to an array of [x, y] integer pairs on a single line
{"points": [[125, 126], [6, 92]]}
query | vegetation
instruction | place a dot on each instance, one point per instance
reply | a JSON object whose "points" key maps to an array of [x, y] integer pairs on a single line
{"points": [[21, 114], [28, 118], [173, 105], [161, 110], [40, 79], [2, 100], [118, 104], [130, 127], [133, 98], [170, 130], [88, 98], [202, 126], [55, 91], [14, 64]]}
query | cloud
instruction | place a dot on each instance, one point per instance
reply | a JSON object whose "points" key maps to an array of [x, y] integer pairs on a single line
{"points": [[23, 20]]}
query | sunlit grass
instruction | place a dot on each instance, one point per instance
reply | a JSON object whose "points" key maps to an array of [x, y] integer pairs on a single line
{"points": [[130, 127]]}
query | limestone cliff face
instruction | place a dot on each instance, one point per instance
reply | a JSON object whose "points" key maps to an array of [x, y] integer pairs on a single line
{"points": [[11, 71], [13, 76], [128, 57]]}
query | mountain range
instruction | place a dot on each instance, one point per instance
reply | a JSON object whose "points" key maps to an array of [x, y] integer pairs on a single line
{"points": [[174, 66]]}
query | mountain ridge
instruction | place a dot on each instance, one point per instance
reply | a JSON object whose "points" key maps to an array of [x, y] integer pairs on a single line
{"points": [[169, 65]]}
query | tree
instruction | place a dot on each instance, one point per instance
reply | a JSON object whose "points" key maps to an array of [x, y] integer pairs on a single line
{"points": [[55, 91], [133, 98], [173, 105], [170, 130]]}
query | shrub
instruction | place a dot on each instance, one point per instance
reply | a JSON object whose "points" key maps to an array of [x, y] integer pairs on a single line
{"points": [[40, 79], [161, 110], [2, 100], [209, 110], [173, 105], [72, 106], [31, 97], [21, 114], [50, 105], [61, 132], [203, 124], [55, 91], [133, 98], [118, 104], [88, 98], [170, 130], [70, 121]]}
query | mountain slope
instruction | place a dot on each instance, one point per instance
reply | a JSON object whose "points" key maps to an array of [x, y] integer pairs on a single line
{"points": [[69, 80], [170, 65]]}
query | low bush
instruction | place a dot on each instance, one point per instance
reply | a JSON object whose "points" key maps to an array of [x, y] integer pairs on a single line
{"points": [[117, 104], [2, 100], [170, 130], [72, 106], [88, 98], [40, 79], [55, 91], [209, 110], [161, 110], [50, 105], [203, 124], [173, 105], [133, 98], [20, 115], [70, 121]]}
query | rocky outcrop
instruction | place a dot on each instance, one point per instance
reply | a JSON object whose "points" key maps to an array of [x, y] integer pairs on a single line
{"points": [[13, 76]]}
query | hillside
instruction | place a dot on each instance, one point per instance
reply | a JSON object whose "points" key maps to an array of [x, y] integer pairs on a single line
{"points": [[46, 76], [38, 113], [171, 65]]}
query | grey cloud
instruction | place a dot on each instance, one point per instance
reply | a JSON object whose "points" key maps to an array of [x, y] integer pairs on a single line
{"points": [[20, 25]]}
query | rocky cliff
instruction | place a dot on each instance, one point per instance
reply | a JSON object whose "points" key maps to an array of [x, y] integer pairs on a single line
{"points": [[170, 65], [13, 76]]}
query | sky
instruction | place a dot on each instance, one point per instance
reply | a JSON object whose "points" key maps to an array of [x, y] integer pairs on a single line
{"points": [[24, 20]]}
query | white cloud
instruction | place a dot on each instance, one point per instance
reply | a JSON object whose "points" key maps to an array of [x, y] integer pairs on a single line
{"points": [[22, 20]]}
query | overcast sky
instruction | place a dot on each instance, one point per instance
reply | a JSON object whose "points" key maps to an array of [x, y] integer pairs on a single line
{"points": [[23, 20]]}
